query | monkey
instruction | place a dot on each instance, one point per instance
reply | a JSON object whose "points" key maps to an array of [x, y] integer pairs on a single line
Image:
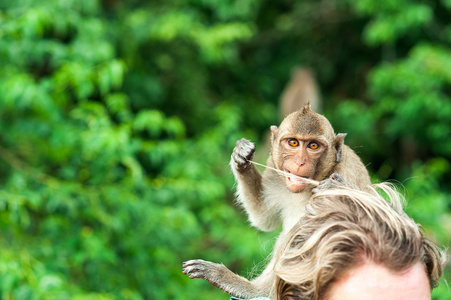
{"points": [[300, 90], [304, 145]]}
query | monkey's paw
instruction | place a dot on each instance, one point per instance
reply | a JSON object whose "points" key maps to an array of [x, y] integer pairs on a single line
{"points": [[335, 181], [198, 268], [243, 152]]}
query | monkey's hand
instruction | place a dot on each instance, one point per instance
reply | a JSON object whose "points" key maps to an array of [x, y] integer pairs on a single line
{"points": [[242, 153], [219, 276], [335, 181]]}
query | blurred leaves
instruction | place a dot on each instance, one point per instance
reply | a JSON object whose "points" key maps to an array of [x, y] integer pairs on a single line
{"points": [[391, 19], [117, 122]]}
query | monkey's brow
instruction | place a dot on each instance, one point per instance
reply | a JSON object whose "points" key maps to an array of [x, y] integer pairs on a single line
{"points": [[304, 137], [286, 174]]}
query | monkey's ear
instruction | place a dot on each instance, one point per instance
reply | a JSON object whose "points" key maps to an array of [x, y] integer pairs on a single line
{"points": [[339, 141], [274, 130]]}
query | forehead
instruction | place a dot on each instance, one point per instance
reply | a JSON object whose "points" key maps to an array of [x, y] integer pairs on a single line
{"points": [[309, 123], [372, 281]]}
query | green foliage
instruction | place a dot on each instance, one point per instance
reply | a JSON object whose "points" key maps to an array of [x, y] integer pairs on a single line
{"points": [[118, 119], [391, 20]]}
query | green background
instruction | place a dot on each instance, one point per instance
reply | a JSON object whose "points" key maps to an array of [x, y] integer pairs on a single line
{"points": [[118, 118]]}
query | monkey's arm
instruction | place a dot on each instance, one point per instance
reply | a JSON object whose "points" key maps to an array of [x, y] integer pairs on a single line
{"points": [[249, 187], [221, 277]]}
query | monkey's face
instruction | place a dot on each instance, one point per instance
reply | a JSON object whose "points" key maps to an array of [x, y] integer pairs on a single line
{"points": [[300, 156]]}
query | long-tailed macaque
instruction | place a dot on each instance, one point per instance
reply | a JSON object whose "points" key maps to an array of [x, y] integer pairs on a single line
{"points": [[300, 90], [304, 145]]}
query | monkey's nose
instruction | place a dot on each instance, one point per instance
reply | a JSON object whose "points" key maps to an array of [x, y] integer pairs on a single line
{"points": [[298, 168], [300, 161]]}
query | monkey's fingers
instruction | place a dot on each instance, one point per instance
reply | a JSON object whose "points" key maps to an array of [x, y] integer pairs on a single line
{"points": [[202, 269], [335, 181], [195, 266], [192, 262], [338, 178], [245, 149], [238, 159], [243, 152], [193, 273]]}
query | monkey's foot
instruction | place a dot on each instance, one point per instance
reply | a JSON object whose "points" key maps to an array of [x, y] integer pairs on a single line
{"points": [[198, 268], [219, 276]]}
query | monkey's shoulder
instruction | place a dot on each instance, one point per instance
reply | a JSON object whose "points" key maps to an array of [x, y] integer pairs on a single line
{"points": [[352, 169]]}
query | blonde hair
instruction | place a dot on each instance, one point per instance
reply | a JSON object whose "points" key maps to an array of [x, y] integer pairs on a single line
{"points": [[342, 227]]}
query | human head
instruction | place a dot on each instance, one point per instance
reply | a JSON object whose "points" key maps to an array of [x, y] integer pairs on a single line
{"points": [[344, 230]]}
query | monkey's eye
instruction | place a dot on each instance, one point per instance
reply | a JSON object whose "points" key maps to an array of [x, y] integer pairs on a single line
{"points": [[293, 142], [313, 145]]}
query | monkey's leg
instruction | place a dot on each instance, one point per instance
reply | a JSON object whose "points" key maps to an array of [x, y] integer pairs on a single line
{"points": [[221, 277], [249, 187]]}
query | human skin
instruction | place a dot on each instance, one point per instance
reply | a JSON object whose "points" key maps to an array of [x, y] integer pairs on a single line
{"points": [[371, 281]]}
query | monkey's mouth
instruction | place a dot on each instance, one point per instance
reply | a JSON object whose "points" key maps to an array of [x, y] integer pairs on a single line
{"points": [[296, 179]]}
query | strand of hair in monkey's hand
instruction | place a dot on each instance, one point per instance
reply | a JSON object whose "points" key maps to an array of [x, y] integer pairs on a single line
{"points": [[286, 174]]}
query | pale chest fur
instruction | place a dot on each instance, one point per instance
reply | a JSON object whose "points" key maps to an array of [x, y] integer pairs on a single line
{"points": [[289, 206], [292, 212]]}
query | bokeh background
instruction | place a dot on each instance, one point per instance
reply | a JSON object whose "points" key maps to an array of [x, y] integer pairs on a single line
{"points": [[118, 118]]}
